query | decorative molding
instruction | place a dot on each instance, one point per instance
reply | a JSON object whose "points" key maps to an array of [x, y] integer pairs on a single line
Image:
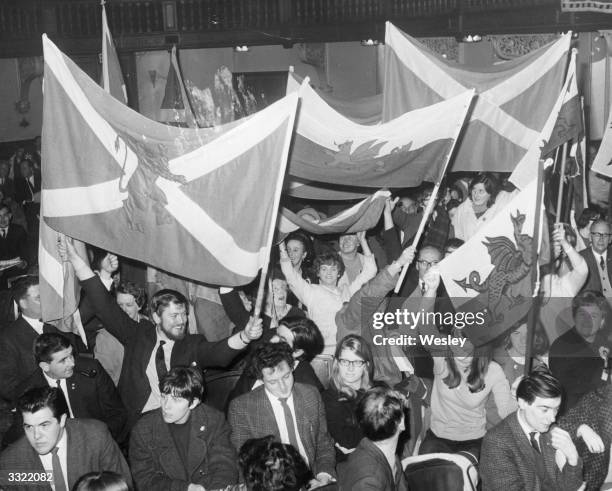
{"points": [[447, 47], [508, 47], [315, 54], [28, 69]]}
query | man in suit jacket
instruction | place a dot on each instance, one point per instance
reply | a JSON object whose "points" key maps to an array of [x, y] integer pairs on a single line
{"points": [[599, 258], [17, 340], [380, 413], [525, 452], [293, 413], [67, 448], [7, 185], [89, 390], [12, 237], [151, 353], [183, 444]]}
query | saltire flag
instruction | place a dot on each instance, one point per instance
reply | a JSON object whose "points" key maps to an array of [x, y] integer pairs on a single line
{"points": [[558, 128], [300, 188], [490, 274], [176, 107], [112, 77], [329, 148], [360, 110], [362, 216], [513, 99], [197, 203], [603, 160]]}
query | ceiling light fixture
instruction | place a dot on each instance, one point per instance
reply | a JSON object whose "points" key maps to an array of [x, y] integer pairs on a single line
{"points": [[370, 42], [241, 49]]}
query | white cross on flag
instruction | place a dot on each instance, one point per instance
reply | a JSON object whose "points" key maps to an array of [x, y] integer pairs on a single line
{"points": [[198, 203]]}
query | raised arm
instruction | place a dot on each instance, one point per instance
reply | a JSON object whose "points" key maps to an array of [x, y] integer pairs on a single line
{"points": [[369, 266], [299, 286]]}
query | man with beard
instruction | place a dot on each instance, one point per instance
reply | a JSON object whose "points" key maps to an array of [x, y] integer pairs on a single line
{"points": [[525, 452], [151, 353]]}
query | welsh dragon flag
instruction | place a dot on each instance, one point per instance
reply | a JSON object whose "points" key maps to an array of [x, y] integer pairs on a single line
{"points": [[198, 203], [491, 273], [512, 104]]}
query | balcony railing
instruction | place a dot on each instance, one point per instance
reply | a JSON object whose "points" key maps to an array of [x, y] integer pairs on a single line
{"points": [[25, 19]]}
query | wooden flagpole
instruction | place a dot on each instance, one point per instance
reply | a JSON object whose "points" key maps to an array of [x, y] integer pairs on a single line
{"points": [[561, 183], [432, 199], [532, 318]]}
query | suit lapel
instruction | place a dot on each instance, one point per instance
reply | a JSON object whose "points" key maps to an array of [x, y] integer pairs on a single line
{"points": [[150, 336], [264, 414], [198, 447]]}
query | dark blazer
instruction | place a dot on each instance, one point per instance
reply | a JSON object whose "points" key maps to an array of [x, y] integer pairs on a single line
{"points": [[23, 191], [593, 281], [139, 344], [507, 461], [251, 416], [367, 469], [577, 365], [92, 395], [17, 355], [8, 187], [341, 420], [14, 244], [90, 448], [156, 463]]}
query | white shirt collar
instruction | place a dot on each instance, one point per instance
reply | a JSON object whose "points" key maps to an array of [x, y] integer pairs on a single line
{"points": [[106, 282], [525, 426], [36, 324], [597, 255]]}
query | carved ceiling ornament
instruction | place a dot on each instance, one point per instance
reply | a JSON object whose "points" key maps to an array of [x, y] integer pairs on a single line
{"points": [[508, 47]]}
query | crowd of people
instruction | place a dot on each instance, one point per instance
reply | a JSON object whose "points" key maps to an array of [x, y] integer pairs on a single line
{"points": [[314, 402]]}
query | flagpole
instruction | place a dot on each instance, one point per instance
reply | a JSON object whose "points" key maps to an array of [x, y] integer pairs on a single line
{"points": [[432, 199], [276, 203], [534, 311], [561, 183]]}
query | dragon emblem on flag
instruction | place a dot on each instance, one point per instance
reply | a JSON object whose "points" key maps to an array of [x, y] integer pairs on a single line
{"points": [[367, 152], [511, 265]]}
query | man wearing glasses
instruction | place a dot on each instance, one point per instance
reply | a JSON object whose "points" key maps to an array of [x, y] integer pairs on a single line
{"points": [[598, 259]]}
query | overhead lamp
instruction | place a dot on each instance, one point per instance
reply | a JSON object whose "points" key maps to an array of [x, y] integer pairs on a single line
{"points": [[370, 42], [472, 38], [241, 49]]}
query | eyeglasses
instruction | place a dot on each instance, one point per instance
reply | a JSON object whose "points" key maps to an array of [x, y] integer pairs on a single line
{"points": [[597, 235], [351, 363], [427, 264]]}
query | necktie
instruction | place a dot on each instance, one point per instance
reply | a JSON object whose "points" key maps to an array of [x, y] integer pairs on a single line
{"points": [[3, 231], [58, 476], [534, 442], [602, 264], [160, 361], [423, 288], [289, 423]]}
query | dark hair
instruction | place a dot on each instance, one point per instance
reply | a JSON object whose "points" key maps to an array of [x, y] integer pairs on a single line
{"points": [[268, 465], [588, 298], [330, 259], [301, 236], [270, 355], [478, 369], [380, 412], [5, 205], [129, 288], [452, 203], [163, 298], [490, 184], [454, 242], [184, 382], [20, 288], [539, 383], [361, 348], [587, 215], [306, 336], [96, 255], [101, 481], [49, 343], [39, 398]]}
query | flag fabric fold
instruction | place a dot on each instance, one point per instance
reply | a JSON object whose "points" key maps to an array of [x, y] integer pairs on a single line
{"points": [[329, 148], [362, 216], [176, 107], [512, 104], [603, 160], [198, 203], [112, 78], [491, 273]]}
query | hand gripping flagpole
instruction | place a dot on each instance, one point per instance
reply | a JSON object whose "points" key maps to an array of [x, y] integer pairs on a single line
{"points": [[432, 199], [279, 188]]}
